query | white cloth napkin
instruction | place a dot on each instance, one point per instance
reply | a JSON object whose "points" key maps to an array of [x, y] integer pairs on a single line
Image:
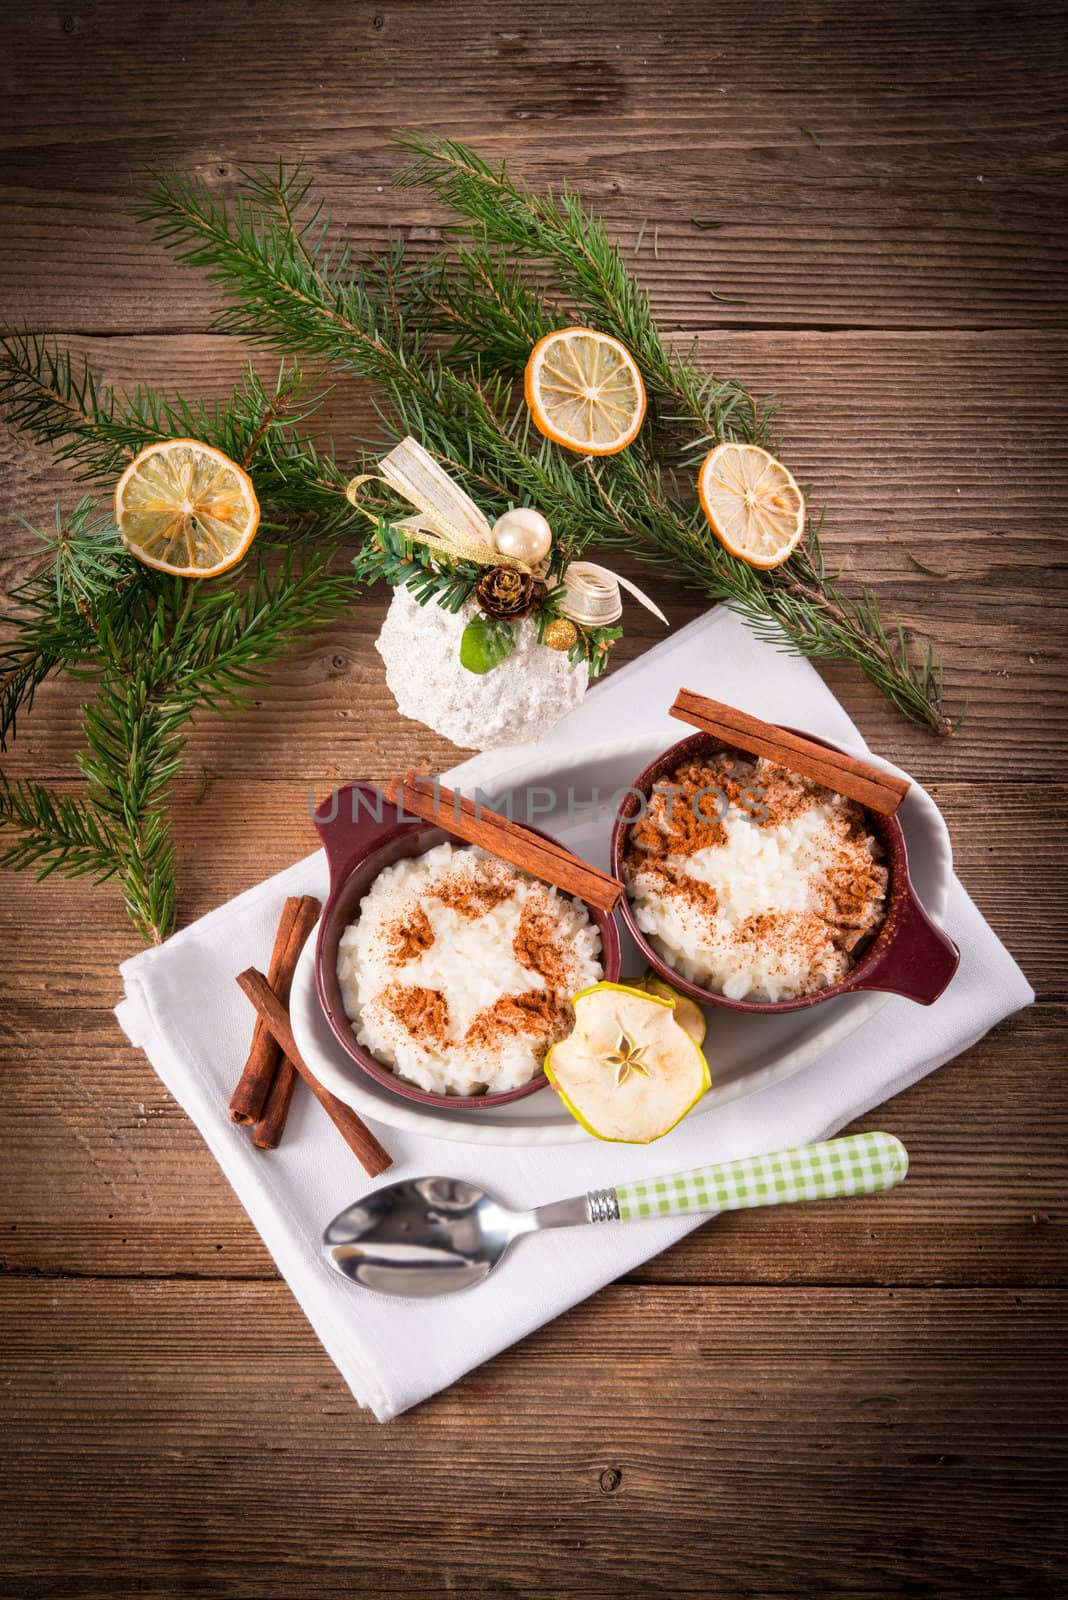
{"points": [[183, 1009]]}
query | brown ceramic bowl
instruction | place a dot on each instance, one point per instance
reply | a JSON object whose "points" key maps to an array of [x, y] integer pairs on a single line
{"points": [[362, 834], [910, 955]]}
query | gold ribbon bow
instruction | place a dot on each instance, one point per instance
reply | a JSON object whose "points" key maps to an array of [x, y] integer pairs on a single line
{"points": [[446, 518]]}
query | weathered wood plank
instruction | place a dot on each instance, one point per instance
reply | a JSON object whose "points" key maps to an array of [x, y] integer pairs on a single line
{"points": [[701, 1434], [728, 1422], [850, 194]]}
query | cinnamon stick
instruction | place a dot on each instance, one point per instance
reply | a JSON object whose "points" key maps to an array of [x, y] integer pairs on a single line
{"points": [[267, 1134], [299, 916], [870, 786], [543, 858], [372, 1156]]}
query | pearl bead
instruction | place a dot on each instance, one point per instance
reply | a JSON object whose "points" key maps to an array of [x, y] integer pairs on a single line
{"points": [[523, 534]]}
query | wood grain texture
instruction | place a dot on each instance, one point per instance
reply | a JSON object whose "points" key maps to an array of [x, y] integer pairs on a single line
{"points": [[671, 1454], [872, 168], [864, 1399]]}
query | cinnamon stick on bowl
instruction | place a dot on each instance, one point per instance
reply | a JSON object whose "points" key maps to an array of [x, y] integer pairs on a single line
{"points": [[858, 780], [522, 847]]}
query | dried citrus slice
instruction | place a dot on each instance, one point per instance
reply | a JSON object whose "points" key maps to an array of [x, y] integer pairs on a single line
{"points": [[185, 508], [584, 391], [755, 507]]}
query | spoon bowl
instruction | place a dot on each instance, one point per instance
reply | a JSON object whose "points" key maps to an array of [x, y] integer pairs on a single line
{"points": [[423, 1236]]}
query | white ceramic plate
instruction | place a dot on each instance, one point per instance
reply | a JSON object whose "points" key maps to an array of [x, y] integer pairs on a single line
{"points": [[746, 1052]]}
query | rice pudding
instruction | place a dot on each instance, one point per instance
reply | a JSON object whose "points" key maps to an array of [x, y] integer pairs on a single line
{"points": [[753, 881], [459, 971]]}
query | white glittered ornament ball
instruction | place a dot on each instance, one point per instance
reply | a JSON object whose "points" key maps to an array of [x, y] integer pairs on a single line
{"points": [[523, 534], [516, 703]]}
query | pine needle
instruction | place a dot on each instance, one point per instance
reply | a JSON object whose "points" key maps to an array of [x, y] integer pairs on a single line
{"points": [[921, 566]]}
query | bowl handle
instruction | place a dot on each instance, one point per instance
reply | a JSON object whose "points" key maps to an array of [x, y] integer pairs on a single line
{"points": [[350, 822], [920, 959]]}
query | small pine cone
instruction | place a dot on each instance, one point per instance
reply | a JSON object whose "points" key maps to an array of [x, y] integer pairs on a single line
{"points": [[506, 594]]}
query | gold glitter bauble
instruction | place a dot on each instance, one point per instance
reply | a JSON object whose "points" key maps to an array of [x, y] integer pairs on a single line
{"points": [[560, 634]]}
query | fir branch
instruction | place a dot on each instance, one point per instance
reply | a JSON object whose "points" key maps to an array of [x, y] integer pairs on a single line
{"points": [[194, 648], [133, 749], [53, 621], [391, 557], [55, 833], [86, 553], [157, 650], [23, 668], [58, 400], [560, 234], [498, 211], [229, 641], [55, 397], [791, 607], [272, 254]]}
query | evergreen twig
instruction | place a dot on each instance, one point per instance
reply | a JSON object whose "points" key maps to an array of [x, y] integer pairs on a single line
{"points": [[390, 557], [155, 650], [53, 623], [562, 236], [55, 831], [58, 400]]}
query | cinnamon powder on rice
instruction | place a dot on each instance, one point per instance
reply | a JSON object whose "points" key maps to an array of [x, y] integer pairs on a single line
{"points": [[474, 892], [537, 947], [409, 936], [423, 1012], [538, 1012], [544, 1014], [681, 819]]}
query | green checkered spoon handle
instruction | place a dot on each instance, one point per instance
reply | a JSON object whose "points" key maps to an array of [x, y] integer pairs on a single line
{"points": [[861, 1163]]}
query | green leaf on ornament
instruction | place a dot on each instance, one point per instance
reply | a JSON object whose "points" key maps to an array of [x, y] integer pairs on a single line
{"points": [[485, 643]]}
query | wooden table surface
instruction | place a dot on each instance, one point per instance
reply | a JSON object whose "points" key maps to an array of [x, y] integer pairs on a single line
{"points": [[860, 1399]]}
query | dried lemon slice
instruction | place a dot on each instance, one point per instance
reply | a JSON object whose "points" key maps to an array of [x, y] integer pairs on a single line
{"points": [[584, 391], [627, 1071], [752, 502], [185, 508]]}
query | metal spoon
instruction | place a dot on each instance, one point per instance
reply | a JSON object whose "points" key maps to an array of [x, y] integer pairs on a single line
{"points": [[429, 1236]]}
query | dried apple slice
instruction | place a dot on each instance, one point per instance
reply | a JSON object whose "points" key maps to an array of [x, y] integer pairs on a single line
{"points": [[628, 1071], [688, 1013]]}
